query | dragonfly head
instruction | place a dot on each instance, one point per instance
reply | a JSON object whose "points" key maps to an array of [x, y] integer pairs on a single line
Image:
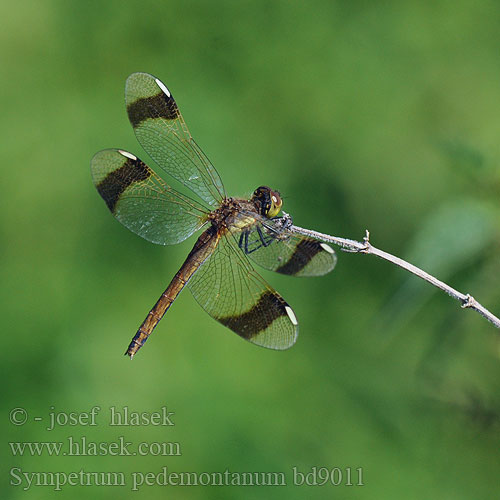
{"points": [[267, 202]]}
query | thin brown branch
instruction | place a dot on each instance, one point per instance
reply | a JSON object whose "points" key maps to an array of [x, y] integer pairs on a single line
{"points": [[466, 300]]}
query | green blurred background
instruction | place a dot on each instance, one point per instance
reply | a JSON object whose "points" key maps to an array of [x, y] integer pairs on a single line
{"points": [[378, 115]]}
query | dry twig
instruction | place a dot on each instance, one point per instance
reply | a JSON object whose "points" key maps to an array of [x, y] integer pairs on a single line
{"points": [[467, 301]]}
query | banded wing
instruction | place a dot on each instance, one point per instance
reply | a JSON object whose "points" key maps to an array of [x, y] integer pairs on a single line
{"points": [[142, 201], [229, 289], [162, 132], [278, 250]]}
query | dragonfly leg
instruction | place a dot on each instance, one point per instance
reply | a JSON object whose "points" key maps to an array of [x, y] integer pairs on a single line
{"points": [[265, 242]]}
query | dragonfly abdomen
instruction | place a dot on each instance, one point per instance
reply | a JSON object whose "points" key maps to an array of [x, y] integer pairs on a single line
{"points": [[202, 249]]}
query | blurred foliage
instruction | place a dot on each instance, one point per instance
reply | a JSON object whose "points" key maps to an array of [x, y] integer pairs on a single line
{"points": [[378, 115]]}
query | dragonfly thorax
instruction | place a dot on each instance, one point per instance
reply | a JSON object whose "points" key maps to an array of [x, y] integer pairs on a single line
{"points": [[267, 202], [238, 214], [225, 215]]}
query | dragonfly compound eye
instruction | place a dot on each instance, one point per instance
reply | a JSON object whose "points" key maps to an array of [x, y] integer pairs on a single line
{"points": [[276, 203]]}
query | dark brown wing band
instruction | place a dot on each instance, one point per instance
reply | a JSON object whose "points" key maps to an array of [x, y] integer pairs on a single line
{"points": [[116, 182], [157, 106], [304, 252], [269, 307]]}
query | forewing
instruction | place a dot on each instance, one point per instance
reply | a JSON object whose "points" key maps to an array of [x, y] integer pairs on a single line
{"points": [[162, 132], [230, 290], [286, 253], [142, 201]]}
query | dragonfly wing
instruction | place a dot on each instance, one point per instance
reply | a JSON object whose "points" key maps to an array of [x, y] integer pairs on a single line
{"points": [[142, 201], [162, 132], [279, 250], [229, 289]]}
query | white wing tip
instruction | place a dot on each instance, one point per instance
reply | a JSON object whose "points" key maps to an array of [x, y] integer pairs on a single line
{"points": [[127, 154], [327, 248], [291, 315], [162, 87]]}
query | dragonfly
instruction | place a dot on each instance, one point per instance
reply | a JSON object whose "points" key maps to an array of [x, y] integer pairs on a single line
{"points": [[236, 232]]}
